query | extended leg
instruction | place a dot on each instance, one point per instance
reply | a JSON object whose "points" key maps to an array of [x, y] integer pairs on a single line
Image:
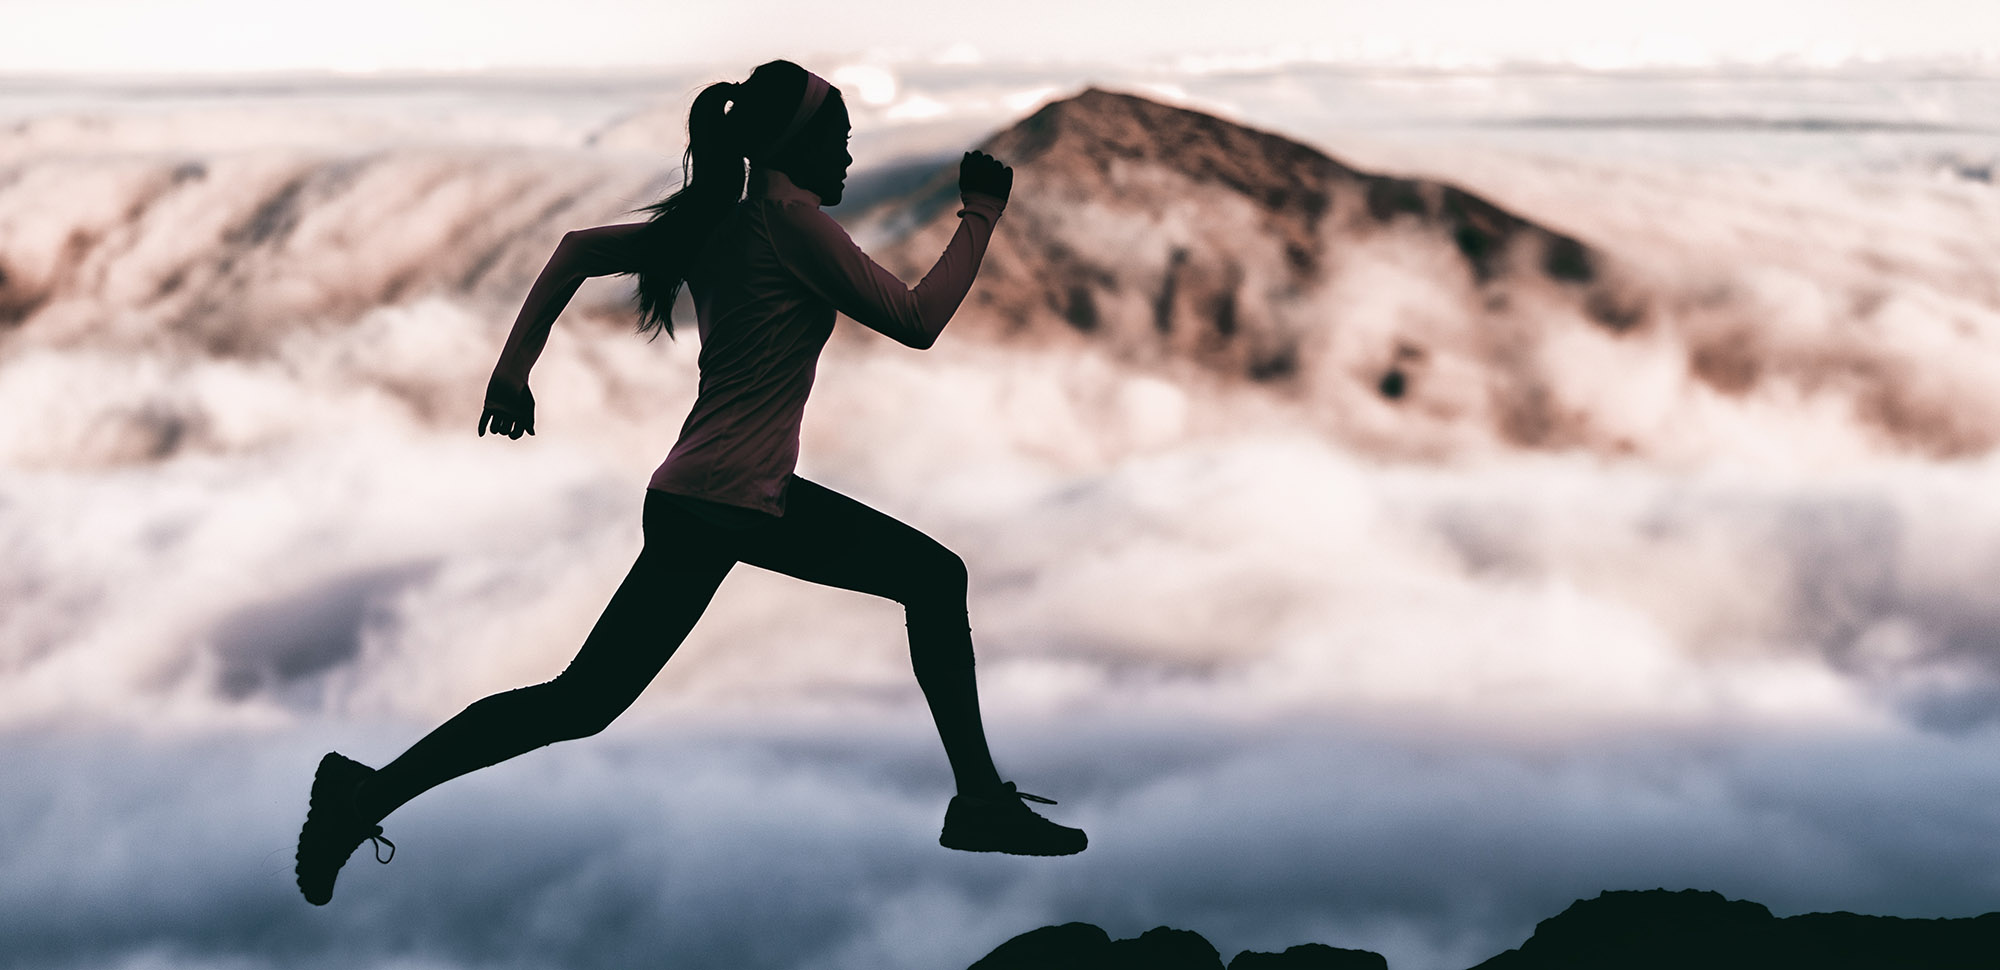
{"points": [[648, 617]]}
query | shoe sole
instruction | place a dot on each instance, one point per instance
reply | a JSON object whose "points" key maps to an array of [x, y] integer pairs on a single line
{"points": [[1046, 855], [331, 767]]}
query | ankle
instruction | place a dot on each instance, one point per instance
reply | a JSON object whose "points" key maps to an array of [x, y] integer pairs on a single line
{"points": [[363, 804], [985, 790]]}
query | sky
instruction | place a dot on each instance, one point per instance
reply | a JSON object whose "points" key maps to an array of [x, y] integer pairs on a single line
{"points": [[228, 36]]}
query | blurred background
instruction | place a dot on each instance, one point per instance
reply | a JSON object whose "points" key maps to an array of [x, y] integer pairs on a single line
{"points": [[1418, 467]]}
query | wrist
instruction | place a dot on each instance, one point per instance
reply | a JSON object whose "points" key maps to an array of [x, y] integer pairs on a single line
{"points": [[974, 199]]}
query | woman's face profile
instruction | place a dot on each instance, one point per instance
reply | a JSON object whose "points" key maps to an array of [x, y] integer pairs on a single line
{"points": [[819, 165]]}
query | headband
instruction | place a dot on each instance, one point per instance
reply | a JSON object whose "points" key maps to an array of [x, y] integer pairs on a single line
{"points": [[809, 102]]}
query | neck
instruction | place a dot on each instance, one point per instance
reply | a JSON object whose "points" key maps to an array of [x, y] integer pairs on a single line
{"points": [[768, 182]]}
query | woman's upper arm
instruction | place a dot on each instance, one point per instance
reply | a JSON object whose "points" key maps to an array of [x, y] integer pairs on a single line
{"points": [[603, 250], [581, 254]]}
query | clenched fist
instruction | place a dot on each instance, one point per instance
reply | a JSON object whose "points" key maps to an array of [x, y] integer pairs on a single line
{"points": [[982, 173], [510, 409]]}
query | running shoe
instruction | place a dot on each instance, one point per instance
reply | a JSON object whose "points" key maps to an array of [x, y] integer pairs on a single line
{"points": [[334, 828], [1002, 822]]}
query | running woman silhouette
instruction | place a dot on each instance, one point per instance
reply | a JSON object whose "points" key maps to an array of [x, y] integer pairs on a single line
{"points": [[766, 270]]}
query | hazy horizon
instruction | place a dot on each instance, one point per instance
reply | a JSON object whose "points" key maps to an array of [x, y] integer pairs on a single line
{"points": [[237, 35]]}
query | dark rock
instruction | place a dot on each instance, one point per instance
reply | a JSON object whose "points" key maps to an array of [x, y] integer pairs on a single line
{"points": [[1661, 930], [1071, 946], [1848, 940], [1650, 930], [1164, 948], [1081, 946], [1644, 929], [1310, 956]]}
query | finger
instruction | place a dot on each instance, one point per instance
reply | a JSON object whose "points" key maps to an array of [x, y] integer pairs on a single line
{"points": [[514, 432], [485, 418]]}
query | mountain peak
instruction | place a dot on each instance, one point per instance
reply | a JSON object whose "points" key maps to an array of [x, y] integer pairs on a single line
{"points": [[1083, 136], [1163, 233]]}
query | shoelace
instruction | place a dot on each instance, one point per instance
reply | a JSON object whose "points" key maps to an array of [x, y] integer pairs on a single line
{"points": [[1009, 789], [376, 837]]}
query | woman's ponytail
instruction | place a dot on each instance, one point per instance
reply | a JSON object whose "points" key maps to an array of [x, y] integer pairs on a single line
{"points": [[713, 155], [725, 118]]}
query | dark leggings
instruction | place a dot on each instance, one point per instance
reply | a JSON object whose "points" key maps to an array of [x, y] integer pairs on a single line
{"points": [[824, 537]]}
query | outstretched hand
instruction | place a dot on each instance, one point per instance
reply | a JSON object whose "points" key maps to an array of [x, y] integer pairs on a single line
{"points": [[984, 174], [510, 409]]}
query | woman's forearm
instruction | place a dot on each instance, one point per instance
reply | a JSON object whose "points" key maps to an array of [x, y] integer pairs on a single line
{"points": [[827, 261], [936, 299], [581, 254], [546, 299]]}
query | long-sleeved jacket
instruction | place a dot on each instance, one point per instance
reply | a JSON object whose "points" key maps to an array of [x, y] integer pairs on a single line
{"points": [[765, 290]]}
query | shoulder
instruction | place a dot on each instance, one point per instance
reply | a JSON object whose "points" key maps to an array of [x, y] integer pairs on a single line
{"points": [[608, 248], [801, 215], [805, 224], [607, 236]]}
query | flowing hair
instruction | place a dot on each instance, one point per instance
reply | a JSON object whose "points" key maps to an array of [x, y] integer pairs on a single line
{"points": [[728, 122]]}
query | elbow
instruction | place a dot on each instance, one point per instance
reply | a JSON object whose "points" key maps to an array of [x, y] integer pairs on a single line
{"points": [[570, 260], [909, 329], [566, 249]]}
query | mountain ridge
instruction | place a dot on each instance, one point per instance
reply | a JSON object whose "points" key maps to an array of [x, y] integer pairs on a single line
{"points": [[1285, 175], [1165, 233], [1655, 929], [1413, 319]]}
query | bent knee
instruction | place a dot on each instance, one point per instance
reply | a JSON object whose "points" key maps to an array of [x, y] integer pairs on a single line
{"points": [[938, 579]]}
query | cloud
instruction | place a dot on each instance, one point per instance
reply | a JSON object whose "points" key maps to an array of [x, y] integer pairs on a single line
{"points": [[806, 843], [1130, 545], [874, 85]]}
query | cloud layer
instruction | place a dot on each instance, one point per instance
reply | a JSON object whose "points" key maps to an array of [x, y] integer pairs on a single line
{"points": [[811, 843]]}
